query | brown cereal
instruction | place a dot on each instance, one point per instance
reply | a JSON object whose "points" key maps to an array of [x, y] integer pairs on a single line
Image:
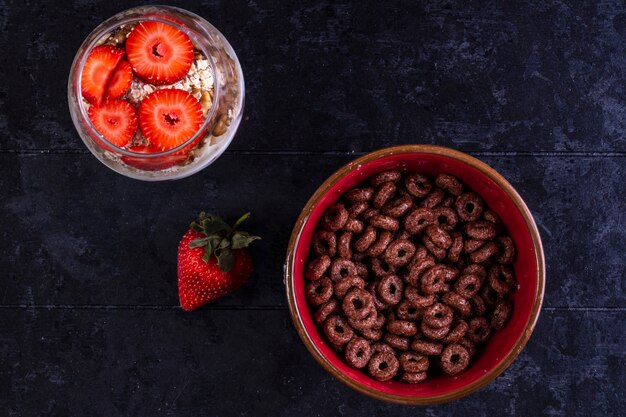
{"points": [[399, 253], [389, 289], [344, 245], [369, 213], [317, 267], [337, 330], [371, 287], [365, 323], [365, 240], [446, 218], [371, 334], [413, 377], [358, 352], [454, 252], [397, 207], [380, 268], [413, 362], [361, 270], [438, 236], [492, 216], [383, 366], [319, 292], [397, 342], [418, 220], [437, 316], [357, 208], [416, 270], [335, 218], [325, 243], [325, 310], [479, 308], [434, 198], [484, 253], [407, 311], [502, 279], [341, 268], [447, 202], [381, 221], [467, 285], [437, 252], [467, 344], [457, 302], [385, 176], [382, 347], [435, 279], [342, 286], [418, 300], [426, 347], [385, 192], [469, 206], [472, 245], [502, 312], [359, 195], [480, 230], [458, 331], [434, 333], [507, 252], [479, 330], [354, 226], [402, 327], [384, 239], [358, 304], [418, 185], [454, 359], [449, 183]]}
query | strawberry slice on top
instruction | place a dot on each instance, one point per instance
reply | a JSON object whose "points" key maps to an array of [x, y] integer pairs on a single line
{"points": [[120, 81], [116, 120], [159, 53], [98, 70], [169, 117]]}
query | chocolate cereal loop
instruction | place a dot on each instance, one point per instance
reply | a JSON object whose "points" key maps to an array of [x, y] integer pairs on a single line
{"points": [[383, 366], [358, 353]]}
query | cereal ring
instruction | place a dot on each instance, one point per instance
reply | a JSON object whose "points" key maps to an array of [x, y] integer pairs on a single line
{"points": [[489, 295], [479, 330], [484, 253], [420, 253], [480, 230], [358, 304], [318, 292], [472, 245], [413, 377], [418, 185], [385, 192], [367, 214], [359, 195], [492, 216], [358, 352], [402, 327], [407, 311], [365, 323], [399, 253], [434, 198], [325, 243], [397, 207], [382, 347], [434, 279], [317, 268], [478, 305], [384, 222], [502, 312], [403, 235], [449, 183], [385, 176], [413, 362], [358, 257], [467, 285], [447, 202], [507, 253], [383, 366], [426, 347], [454, 252], [384, 239], [433, 333], [467, 344], [365, 240], [389, 289], [437, 316], [446, 218], [477, 270], [457, 302], [380, 321], [418, 300], [341, 268], [469, 206], [438, 252], [397, 342], [357, 208], [344, 248], [361, 270], [458, 331], [354, 226], [325, 310], [418, 268], [380, 268], [371, 334], [454, 359], [502, 279], [337, 330], [335, 218], [439, 236], [379, 305], [418, 220], [344, 284]]}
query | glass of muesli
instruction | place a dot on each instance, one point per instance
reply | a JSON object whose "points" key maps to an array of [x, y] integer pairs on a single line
{"points": [[156, 93]]}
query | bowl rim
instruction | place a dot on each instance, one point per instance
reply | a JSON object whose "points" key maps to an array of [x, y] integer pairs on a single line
{"points": [[415, 149]]}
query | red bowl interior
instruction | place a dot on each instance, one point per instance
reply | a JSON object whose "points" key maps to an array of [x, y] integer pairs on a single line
{"points": [[503, 341]]}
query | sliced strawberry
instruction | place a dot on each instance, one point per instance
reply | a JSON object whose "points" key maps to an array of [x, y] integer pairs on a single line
{"points": [[169, 117], [97, 72], [116, 120], [153, 164], [159, 53], [120, 80]]}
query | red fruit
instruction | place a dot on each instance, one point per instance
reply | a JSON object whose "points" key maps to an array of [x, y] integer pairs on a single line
{"points": [[153, 164], [116, 120], [213, 261], [97, 72], [169, 117], [159, 53], [120, 80]]}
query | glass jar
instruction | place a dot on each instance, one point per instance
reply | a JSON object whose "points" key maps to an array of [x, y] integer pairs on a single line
{"points": [[222, 118]]}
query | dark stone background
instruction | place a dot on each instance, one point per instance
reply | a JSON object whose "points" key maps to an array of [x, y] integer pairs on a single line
{"points": [[90, 323]]}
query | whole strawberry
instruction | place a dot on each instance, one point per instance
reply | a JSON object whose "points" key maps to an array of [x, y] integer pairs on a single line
{"points": [[213, 260]]}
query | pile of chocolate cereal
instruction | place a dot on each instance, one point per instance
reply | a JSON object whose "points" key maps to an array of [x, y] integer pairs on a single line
{"points": [[410, 274]]}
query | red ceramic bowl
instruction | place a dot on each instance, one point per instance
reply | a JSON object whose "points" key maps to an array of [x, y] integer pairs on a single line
{"points": [[502, 348]]}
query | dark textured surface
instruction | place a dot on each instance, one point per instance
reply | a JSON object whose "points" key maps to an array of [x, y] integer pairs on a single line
{"points": [[90, 323]]}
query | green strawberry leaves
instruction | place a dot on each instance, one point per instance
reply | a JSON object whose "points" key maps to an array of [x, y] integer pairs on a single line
{"points": [[220, 239]]}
